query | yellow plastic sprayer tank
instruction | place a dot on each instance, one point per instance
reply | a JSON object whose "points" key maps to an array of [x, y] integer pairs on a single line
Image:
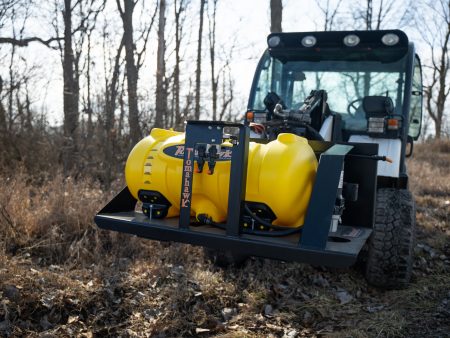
{"points": [[280, 174]]}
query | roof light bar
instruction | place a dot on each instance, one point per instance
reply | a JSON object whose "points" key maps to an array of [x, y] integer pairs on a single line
{"points": [[309, 41], [390, 39], [351, 40], [274, 41]]}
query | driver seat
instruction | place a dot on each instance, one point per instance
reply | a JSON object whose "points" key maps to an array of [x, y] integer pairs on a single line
{"points": [[377, 106]]}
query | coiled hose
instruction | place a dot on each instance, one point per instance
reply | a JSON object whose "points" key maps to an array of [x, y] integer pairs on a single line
{"points": [[280, 231]]}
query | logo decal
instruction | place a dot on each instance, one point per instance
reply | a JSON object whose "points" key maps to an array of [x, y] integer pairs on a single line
{"points": [[177, 151], [186, 198]]}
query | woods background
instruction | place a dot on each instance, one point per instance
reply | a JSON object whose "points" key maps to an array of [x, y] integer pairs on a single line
{"points": [[126, 66]]}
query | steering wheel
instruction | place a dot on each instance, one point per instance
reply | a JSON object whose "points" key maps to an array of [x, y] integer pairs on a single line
{"points": [[352, 108]]}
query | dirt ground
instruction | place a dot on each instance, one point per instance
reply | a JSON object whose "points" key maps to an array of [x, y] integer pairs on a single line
{"points": [[62, 277]]}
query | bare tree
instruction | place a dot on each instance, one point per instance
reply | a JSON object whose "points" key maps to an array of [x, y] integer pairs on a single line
{"points": [[2, 112], [179, 8], [111, 91], [16, 115], [88, 102], [79, 18], [18, 14], [70, 91], [212, 56], [5, 9], [329, 13], [199, 62], [126, 13], [8, 12], [436, 33], [121, 107], [227, 92], [276, 15], [375, 15], [161, 90]]}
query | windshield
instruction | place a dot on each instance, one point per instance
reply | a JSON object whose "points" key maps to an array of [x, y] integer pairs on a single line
{"points": [[346, 83]]}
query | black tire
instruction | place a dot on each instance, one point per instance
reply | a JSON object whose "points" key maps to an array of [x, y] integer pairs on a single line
{"points": [[224, 258], [391, 246]]}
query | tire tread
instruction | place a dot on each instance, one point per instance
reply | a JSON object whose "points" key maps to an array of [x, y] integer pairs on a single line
{"points": [[389, 262]]}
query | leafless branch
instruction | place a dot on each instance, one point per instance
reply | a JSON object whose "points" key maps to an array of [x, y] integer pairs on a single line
{"points": [[26, 41]]}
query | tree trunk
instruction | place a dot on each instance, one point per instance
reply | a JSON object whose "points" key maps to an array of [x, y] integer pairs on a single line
{"points": [[2, 112], [199, 62], [132, 73], [276, 16], [29, 114], [70, 95], [20, 116], [212, 58], [161, 92], [438, 128], [122, 110], [11, 89], [176, 71], [369, 15], [111, 98], [88, 85]]}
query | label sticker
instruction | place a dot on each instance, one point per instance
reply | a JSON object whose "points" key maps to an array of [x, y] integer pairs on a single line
{"points": [[177, 151]]}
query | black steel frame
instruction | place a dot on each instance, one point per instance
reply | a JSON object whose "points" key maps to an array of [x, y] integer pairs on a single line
{"points": [[314, 245]]}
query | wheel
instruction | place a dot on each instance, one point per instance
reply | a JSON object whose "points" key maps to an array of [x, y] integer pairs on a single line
{"points": [[391, 246], [224, 258]]}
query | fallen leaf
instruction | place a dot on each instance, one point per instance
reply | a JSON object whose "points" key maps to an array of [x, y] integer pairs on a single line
{"points": [[72, 319], [344, 297], [268, 309]]}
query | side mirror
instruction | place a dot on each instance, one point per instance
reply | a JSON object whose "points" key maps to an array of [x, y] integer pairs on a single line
{"points": [[409, 146]]}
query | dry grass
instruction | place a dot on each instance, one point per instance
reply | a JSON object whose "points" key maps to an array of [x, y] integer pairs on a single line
{"points": [[430, 183], [60, 276]]}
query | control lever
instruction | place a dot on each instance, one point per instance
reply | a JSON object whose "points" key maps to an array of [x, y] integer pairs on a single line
{"points": [[201, 156], [213, 155], [302, 116]]}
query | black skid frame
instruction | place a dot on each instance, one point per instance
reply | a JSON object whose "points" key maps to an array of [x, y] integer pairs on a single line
{"points": [[314, 245]]}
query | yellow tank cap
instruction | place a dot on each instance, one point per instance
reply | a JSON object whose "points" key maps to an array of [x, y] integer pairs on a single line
{"points": [[287, 138], [158, 133]]}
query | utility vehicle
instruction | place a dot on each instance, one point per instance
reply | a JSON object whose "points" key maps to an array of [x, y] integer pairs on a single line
{"points": [[316, 172]]}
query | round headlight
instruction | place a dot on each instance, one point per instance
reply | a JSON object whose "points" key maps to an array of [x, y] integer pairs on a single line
{"points": [[390, 39], [351, 40], [274, 41], [309, 41]]}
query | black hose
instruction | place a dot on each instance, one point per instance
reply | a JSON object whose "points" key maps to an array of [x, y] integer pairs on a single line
{"points": [[371, 157], [315, 135], [263, 222], [280, 230]]}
